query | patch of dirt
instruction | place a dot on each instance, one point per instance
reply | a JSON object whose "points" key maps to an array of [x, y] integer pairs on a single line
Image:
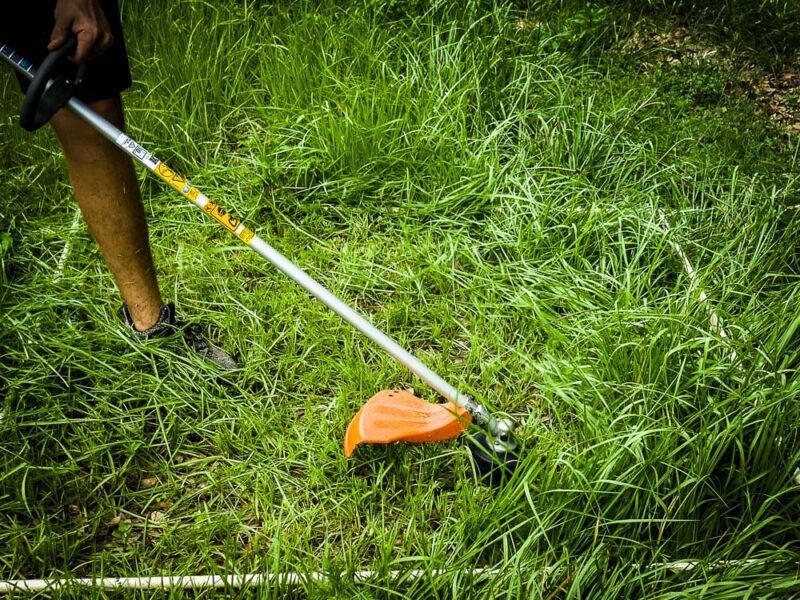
{"points": [[672, 46], [776, 94], [779, 97]]}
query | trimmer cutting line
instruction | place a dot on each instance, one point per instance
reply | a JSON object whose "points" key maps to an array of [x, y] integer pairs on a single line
{"points": [[390, 415]]}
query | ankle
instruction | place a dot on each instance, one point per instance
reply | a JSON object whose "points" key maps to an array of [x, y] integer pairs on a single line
{"points": [[143, 312], [146, 325], [143, 324], [144, 320]]}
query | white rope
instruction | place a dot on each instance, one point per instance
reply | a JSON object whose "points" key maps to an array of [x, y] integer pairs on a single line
{"points": [[67, 246], [187, 582], [216, 581], [688, 565], [713, 319]]}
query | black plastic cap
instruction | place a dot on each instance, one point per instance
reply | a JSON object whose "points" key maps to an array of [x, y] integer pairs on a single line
{"points": [[494, 465]]}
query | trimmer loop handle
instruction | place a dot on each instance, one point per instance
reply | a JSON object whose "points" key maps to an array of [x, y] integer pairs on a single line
{"points": [[50, 89]]}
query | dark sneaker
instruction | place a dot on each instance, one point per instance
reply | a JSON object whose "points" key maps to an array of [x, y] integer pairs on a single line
{"points": [[168, 324]]}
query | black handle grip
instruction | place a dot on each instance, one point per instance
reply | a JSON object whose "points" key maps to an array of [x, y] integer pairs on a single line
{"points": [[42, 101]]}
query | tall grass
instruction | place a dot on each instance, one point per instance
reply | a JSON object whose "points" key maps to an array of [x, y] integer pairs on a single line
{"points": [[492, 200]]}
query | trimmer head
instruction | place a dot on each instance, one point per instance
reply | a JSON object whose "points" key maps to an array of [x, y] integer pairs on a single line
{"points": [[494, 460], [399, 416]]}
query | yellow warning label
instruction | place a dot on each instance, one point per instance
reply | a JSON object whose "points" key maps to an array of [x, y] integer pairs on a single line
{"points": [[228, 221], [171, 177], [247, 235], [219, 214]]}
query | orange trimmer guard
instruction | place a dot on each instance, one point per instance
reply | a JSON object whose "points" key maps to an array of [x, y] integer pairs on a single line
{"points": [[399, 416]]}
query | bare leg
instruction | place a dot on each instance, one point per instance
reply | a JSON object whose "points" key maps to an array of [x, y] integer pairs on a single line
{"points": [[107, 191]]}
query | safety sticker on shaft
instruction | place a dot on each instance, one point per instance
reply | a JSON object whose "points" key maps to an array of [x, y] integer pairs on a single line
{"points": [[135, 150], [173, 178], [214, 210]]}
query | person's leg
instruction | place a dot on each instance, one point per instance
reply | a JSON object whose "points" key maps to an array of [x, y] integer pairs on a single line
{"points": [[107, 192]]}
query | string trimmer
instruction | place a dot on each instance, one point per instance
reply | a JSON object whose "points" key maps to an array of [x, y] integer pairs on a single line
{"points": [[390, 415]]}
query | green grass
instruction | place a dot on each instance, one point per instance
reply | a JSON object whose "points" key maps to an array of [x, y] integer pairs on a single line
{"points": [[489, 196]]}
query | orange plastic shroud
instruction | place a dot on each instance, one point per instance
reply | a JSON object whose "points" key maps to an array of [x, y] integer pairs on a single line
{"points": [[399, 416]]}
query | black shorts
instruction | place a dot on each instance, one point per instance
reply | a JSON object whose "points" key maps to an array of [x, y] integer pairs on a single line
{"points": [[26, 27]]}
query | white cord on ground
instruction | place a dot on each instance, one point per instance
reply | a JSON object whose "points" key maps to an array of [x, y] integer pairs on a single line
{"points": [[215, 581], [294, 579], [716, 324], [67, 246]]}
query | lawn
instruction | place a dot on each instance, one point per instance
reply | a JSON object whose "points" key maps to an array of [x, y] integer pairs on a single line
{"points": [[511, 195]]}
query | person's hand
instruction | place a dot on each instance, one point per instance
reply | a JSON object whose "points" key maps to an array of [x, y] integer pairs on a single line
{"points": [[85, 19]]}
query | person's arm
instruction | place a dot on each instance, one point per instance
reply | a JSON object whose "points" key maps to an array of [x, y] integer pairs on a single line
{"points": [[85, 19]]}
